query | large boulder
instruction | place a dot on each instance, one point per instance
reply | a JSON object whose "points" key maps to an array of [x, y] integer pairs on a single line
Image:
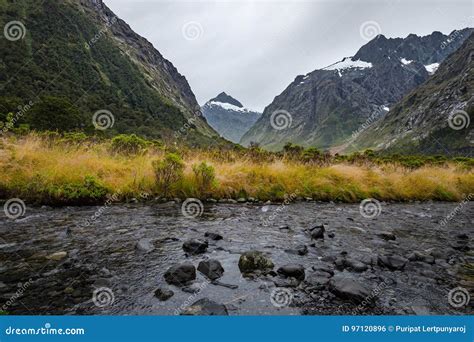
{"points": [[292, 270], [211, 268], [392, 262], [254, 261], [195, 246], [206, 307], [345, 287], [180, 274]]}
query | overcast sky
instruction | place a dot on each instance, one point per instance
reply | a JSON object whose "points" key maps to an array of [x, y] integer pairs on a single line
{"points": [[253, 49]]}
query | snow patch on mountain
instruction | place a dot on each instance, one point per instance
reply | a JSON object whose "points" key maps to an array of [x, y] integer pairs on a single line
{"points": [[348, 63], [431, 68], [229, 106]]}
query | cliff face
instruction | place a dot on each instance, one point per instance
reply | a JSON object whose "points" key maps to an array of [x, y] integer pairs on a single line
{"points": [[80, 51], [325, 107], [435, 117]]}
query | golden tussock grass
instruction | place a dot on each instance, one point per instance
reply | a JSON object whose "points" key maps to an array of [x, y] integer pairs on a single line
{"points": [[34, 169]]}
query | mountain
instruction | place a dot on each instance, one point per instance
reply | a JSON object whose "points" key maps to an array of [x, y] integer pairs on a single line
{"points": [[325, 107], [229, 117], [71, 58], [435, 117]]}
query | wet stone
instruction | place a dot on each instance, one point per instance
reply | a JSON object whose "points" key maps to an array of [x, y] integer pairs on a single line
{"points": [[317, 232], [206, 307], [180, 274], [292, 270], [211, 268], [254, 261], [213, 236], [392, 262], [347, 288], [163, 294], [195, 246]]}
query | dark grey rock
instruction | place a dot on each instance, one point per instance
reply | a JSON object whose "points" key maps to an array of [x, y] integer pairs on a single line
{"points": [[195, 246], [211, 268], [355, 265], [213, 236], [348, 288], [292, 270], [387, 236], [180, 274], [205, 307], [317, 232], [392, 262], [163, 293]]}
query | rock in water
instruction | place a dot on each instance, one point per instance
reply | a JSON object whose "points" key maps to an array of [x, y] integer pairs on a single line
{"points": [[206, 307], [57, 256], [195, 246], [180, 274], [355, 265], [292, 270], [317, 232], [392, 262], [145, 245], [348, 288], [254, 261], [211, 268], [387, 236], [213, 236], [163, 294]]}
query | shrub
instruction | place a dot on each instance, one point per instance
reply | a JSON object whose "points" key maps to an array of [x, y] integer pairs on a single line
{"points": [[168, 171], [89, 191], [74, 138], [205, 176], [128, 144], [311, 155]]}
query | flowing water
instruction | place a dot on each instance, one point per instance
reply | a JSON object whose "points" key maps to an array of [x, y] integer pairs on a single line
{"points": [[129, 247]]}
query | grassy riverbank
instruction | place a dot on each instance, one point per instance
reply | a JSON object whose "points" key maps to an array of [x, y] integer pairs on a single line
{"points": [[75, 169]]}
